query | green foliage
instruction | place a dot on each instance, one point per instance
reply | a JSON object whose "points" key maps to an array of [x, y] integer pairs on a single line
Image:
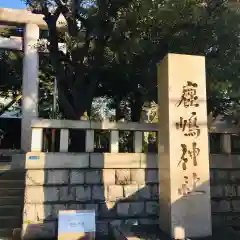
{"points": [[147, 30], [10, 73]]}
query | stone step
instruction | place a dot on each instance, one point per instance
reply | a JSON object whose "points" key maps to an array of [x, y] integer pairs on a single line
{"points": [[10, 222], [11, 200], [12, 184], [10, 234], [14, 200], [6, 233], [9, 152], [18, 192], [5, 158], [12, 175], [11, 211]]}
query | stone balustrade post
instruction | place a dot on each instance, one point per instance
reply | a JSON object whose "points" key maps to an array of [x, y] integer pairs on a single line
{"points": [[64, 140], [138, 141], [90, 141], [225, 143], [114, 141], [36, 139]]}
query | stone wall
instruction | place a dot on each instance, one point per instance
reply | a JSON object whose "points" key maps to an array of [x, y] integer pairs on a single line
{"points": [[121, 187], [225, 190]]}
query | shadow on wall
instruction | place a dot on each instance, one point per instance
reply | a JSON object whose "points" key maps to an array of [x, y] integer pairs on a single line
{"points": [[123, 199], [119, 200]]}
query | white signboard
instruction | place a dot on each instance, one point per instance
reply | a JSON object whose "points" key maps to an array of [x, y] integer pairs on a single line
{"points": [[73, 222]]}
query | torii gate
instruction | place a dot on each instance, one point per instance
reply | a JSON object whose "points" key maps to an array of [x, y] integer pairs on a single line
{"points": [[32, 24]]}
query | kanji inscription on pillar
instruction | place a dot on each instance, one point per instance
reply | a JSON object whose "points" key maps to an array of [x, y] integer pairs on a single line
{"points": [[188, 154], [186, 189], [189, 96], [190, 129], [189, 126]]}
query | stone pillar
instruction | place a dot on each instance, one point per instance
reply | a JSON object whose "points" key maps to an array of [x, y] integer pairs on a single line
{"points": [[29, 84], [185, 209]]}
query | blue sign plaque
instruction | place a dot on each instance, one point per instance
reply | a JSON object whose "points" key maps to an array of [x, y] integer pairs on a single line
{"points": [[34, 157]]}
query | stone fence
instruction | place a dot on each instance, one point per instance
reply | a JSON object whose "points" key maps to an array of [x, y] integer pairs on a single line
{"points": [[121, 187], [223, 137], [89, 126]]}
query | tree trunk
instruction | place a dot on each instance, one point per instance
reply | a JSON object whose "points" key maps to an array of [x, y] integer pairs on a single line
{"points": [[77, 140], [118, 114], [136, 108], [77, 137]]}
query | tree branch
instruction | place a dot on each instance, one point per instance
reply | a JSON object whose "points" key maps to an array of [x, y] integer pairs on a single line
{"points": [[70, 16], [44, 7]]}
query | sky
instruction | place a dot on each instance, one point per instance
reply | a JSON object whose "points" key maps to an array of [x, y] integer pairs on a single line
{"points": [[12, 4]]}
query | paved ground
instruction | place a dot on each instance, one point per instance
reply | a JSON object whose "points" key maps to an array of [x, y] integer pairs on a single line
{"points": [[154, 233], [222, 234]]}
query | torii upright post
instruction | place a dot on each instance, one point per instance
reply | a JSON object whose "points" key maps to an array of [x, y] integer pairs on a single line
{"points": [[185, 209], [30, 83]]}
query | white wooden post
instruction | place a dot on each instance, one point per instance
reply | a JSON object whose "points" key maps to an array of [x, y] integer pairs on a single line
{"points": [[36, 142], [64, 137], [29, 84], [90, 141], [114, 141], [138, 141], [226, 143]]}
